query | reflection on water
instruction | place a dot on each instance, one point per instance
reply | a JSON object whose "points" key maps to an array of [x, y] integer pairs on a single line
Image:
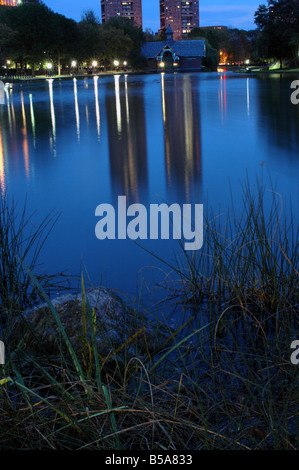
{"points": [[71, 145], [248, 96], [2, 165], [32, 119], [222, 95], [77, 109], [97, 106], [182, 132], [127, 142], [279, 113], [25, 139], [53, 119]]}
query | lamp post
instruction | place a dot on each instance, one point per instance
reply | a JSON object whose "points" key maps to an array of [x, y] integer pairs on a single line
{"points": [[94, 65], [116, 64], [74, 65], [49, 68]]}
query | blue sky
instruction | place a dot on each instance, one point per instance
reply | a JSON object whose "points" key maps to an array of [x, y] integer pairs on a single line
{"points": [[212, 12]]}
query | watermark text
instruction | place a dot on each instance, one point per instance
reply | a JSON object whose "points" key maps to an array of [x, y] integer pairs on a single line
{"points": [[162, 222], [2, 353], [2, 98], [295, 354], [295, 94]]}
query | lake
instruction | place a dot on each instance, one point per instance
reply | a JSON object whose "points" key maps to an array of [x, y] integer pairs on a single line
{"points": [[69, 145]]}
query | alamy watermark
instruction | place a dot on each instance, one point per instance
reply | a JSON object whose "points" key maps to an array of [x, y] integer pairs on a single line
{"points": [[2, 353], [2, 88], [295, 94], [161, 222], [295, 354]]}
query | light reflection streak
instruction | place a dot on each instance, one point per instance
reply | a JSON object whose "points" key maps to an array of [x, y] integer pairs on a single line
{"points": [[8, 108], [118, 105], [2, 166], [223, 103], [53, 120], [188, 124], [87, 114], [32, 119], [77, 109], [127, 99], [25, 139], [248, 98], [167, 146], [98, 116], [12, 110], [132, 173]]}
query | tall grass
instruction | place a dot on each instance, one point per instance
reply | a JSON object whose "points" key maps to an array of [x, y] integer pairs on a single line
{"points": [[223, 382], [21, 239]]}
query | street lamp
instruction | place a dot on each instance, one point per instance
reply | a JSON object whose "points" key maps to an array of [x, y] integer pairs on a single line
{"points": [[116, 63], [73, 64], [162, 65], [49, 67], [125, 63], [94, 65]]}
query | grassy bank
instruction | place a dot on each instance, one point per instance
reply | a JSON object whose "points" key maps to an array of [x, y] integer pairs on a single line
{"points": [[222, 380]]}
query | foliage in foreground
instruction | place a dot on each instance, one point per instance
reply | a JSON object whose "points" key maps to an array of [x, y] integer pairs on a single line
{"points": [[223, 379]]}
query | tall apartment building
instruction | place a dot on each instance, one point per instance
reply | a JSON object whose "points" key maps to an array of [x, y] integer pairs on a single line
{"points": [[9, 3], [181, 16], [131, 10]]}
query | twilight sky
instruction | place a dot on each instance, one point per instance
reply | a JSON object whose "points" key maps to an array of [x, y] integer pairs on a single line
{"points": [[212, 12]]}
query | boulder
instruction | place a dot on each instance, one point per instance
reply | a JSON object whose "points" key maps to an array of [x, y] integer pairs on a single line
{"points": [[113, 322]]}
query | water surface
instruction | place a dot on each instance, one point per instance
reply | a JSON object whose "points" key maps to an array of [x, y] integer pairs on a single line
{"points": [[69, 146]]}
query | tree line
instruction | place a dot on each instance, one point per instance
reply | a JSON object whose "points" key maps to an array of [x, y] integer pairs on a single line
{"points": [[278, 30], [276, 37], [32, 34]]}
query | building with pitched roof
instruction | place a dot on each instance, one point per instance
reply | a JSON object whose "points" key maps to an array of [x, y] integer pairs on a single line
{"points": [[173, 55]]}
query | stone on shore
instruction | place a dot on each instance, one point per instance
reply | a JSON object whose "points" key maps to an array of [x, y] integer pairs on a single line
{"points": [[113, 322]]}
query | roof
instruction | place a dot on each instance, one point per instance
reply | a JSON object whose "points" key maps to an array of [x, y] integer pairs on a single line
{"points": [[194, 48], [169, 30]]}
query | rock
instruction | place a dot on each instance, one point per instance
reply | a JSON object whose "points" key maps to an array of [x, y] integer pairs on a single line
{"points": [[113, 321]]}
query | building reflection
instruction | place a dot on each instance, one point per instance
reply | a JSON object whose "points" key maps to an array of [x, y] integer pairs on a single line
{"points": [[127, 140], [182, 134]]}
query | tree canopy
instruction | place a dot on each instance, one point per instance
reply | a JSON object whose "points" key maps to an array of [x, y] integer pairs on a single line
{"points": [[233, 45], [32, 33], [278, 23]]}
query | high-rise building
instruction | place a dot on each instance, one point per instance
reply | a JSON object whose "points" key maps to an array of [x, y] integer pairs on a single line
{"points": [[131, 10], [181, 16], [9, 3]]}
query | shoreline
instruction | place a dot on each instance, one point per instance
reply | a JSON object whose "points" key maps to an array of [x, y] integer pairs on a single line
{"points": [[240, 70]]}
